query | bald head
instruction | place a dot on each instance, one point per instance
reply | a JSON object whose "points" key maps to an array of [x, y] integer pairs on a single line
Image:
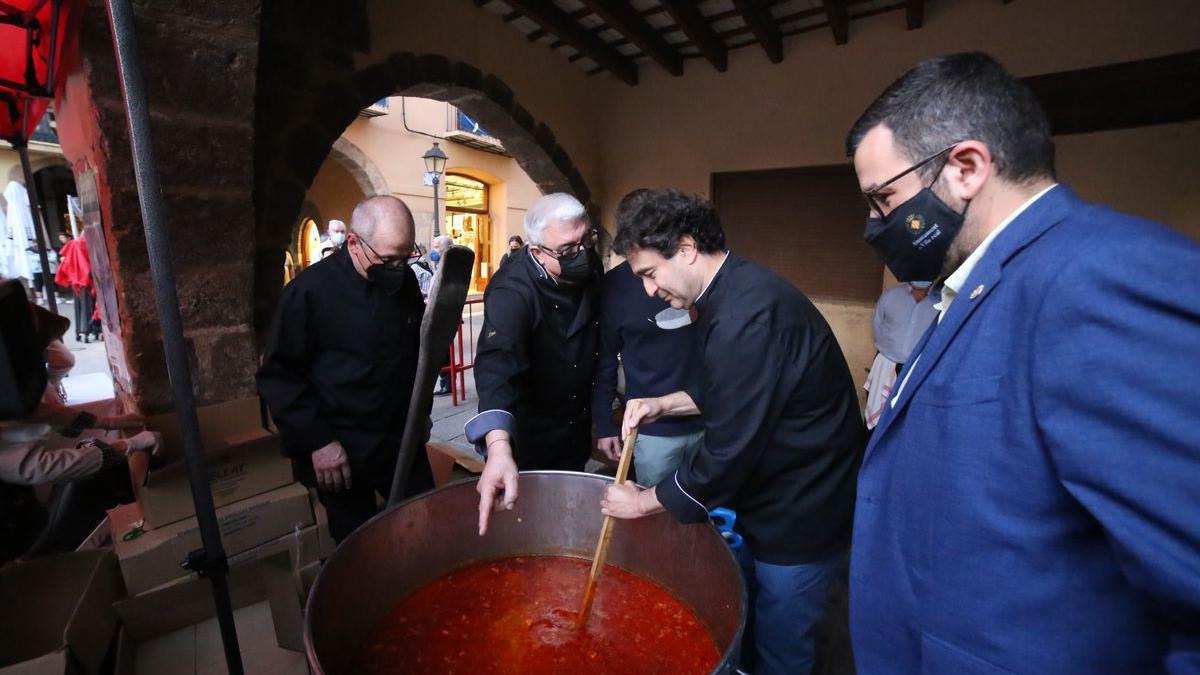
{"points": [[382, 217], [381, 230]]}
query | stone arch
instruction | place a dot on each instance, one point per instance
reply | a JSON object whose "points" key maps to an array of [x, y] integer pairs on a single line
{"points": [[307, 210], [365, 172], [294, 138], [36, 164]]}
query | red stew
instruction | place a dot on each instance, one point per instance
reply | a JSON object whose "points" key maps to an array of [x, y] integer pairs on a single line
{"points": [[517, 615]]}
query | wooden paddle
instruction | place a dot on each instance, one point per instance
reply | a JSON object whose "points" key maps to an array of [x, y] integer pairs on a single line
{"points": [[443, 313], [589, 591]]}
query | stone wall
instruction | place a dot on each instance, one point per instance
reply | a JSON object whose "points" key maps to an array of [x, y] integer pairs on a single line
{"points": [[199, 62]]}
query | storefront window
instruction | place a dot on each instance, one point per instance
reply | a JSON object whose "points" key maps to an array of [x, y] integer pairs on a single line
{"points": [[468, 224], [466, 194]]}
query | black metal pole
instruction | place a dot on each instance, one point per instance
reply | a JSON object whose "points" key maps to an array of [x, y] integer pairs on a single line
{"points": [[437, 231], [55, 5], [212, 563], [39, 226]]}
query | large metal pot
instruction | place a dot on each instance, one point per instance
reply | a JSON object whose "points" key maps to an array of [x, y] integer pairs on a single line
{"points": [[558, 512]]}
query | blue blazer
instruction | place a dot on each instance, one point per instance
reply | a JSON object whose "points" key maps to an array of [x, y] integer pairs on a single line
{"points": [[1031, 504]]}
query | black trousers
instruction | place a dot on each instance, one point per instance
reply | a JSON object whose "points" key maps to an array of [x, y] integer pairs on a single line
{"points": [[350, 509], [85, 307]]}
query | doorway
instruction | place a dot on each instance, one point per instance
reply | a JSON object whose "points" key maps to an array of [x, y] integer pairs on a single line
{"points": [[469, 224]]}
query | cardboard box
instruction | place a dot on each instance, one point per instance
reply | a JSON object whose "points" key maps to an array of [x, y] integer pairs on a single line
{"points": [[101, 537], [325, 542], [58, 615], [177, 605], [152, 615], [162, 612], [153, 557], [300, 547], [243, 460]]}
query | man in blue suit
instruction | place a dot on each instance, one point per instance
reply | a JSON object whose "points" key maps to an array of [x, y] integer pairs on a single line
{"points": [[1030, 501]]}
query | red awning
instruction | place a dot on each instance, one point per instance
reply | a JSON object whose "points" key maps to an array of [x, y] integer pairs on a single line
{"points": [[32, 33]]}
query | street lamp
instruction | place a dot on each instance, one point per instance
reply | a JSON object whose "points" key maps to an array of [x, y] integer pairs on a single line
{"points": [[435, 164]]}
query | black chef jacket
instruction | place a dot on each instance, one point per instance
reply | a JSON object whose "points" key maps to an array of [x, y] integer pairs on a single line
{"points": [[534, 365], [783, 437], [340, 364]]}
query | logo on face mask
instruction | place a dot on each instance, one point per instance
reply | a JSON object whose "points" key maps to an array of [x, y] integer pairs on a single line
{"points": [[909, 244]]}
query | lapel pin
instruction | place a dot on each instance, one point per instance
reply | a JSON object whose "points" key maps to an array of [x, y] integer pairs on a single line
{"points": [[975, 293]]}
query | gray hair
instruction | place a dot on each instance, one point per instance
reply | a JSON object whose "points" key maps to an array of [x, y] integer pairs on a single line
{"points": [[442, 242], [558, 206]]}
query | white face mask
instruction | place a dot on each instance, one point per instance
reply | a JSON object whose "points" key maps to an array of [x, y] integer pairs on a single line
{"points": [[920, 285], [671, 318], [338, 238]]}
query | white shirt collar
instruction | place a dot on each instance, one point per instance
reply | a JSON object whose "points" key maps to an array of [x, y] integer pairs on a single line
{"points": [[714, 276], [954, 283]]}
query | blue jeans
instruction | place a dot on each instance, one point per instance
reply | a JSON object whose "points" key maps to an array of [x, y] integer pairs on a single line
{"points": [[786, 604]]}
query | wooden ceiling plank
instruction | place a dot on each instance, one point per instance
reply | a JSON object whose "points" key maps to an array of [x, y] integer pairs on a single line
{"points": [[550, 17], [699, 31], [758, 17], [620, 15], [839, 22], [914, 11]]}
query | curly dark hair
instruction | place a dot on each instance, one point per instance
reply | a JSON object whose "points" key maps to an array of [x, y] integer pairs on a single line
{"points": [[658, 218]]}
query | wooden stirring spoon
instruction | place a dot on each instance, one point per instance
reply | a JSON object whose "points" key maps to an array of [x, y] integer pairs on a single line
{"points": [[589, 591]]}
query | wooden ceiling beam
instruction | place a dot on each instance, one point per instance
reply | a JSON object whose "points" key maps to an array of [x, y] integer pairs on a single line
{"points": [[698, 29], [762, 24], [839, 22], [550, 17], [629, 22], [914, 12]]}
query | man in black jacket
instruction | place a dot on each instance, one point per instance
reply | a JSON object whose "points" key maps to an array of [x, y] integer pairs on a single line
{"points": [[339, 366], [537, 353], [783, 432]]}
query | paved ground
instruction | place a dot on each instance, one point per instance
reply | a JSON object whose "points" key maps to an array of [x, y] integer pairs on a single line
{"points": [[448, 419], [90, 357]]}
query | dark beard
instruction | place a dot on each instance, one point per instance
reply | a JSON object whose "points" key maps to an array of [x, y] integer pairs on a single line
{"points": [[961, 248]]}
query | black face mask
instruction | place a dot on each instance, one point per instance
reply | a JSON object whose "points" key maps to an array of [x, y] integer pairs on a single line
{"points": [[914, 237], [390, 279], [577, 268]]}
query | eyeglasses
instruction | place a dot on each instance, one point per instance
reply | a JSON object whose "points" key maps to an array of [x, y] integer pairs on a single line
{"points": [[871, 195], [588, 242], [390, 262]]}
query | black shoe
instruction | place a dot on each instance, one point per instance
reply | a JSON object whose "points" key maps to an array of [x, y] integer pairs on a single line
{"points": [[444, 391]]}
